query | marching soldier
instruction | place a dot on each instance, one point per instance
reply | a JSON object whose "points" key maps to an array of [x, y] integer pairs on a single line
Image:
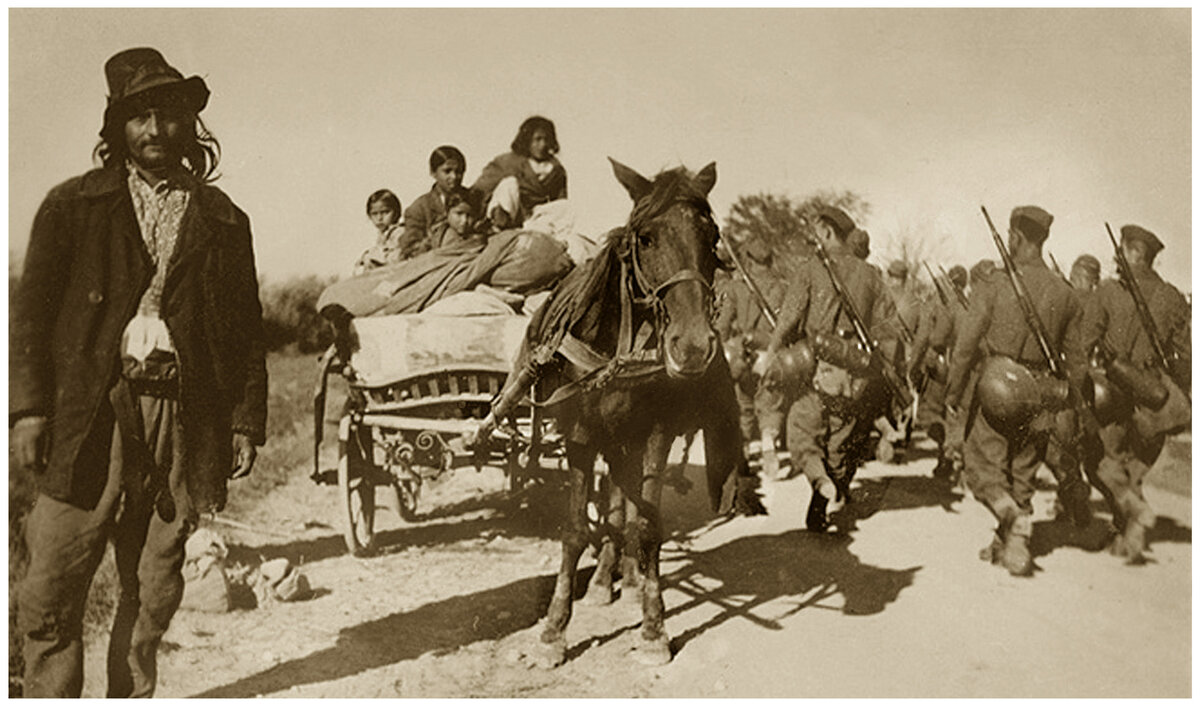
{"points": [[932, 343], [1111, 319], [1065, 453], [829, 422], [745, 331], [1085, 274], [1006, 442], [981, 275]]}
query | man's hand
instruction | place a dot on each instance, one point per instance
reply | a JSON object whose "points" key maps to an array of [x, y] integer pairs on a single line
{"points": [[28, 440], [244, 454]]}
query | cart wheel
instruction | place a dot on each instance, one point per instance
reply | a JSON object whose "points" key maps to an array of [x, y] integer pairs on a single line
{"points": [[409, 491], [358, 497]]}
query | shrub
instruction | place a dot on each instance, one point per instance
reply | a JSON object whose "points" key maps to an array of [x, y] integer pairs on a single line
{"points": [[290, 314]]}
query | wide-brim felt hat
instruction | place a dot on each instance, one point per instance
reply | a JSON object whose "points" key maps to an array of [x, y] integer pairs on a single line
{"points": [[138, 75]]}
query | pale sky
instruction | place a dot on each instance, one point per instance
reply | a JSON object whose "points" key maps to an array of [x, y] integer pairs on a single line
{"points": [[926, 113]]}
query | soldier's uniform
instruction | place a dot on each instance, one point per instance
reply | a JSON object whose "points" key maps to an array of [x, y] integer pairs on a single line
{"points": [[1111, 317], [827, 425], [1065, 452], [1000, 468], [745, 331], [929, 360]]}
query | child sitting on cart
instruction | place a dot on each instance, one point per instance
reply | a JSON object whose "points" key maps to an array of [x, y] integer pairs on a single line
{"points": [[383, 208]]}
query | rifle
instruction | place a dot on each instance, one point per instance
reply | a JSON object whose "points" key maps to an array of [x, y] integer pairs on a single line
{"points": [[1031, 316], [899, 389], [1058, 270], [754, 290], [962, 298], [1139, 302], [937, 284]]}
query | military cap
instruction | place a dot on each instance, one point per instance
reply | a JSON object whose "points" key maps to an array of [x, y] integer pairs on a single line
{"points": [[898, 268], [837, 218], [1089, 263], [1032, 222], [982, 271], [757, 249], [860, 243], [1137, 234], [958, 275]]}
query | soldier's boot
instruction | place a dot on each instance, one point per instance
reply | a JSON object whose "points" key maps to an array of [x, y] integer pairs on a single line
{"points": [[991, 553], [1006, 512], [1016, 557], [1075, 496], [823, 491], [1140, 519]]}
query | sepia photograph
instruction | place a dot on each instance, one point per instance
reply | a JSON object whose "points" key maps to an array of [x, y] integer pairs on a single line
{"points": [[548, 352]]}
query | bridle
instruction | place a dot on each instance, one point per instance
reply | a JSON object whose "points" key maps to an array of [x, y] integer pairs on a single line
{"points": [[645, 294]]}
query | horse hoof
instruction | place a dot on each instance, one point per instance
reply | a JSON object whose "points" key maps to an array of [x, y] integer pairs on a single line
{"points": [[653, 653], [598, 595], [548, 655]]}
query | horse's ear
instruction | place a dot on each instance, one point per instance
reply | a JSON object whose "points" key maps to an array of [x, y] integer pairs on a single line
{"points": [[706, 178], [636, 184]]}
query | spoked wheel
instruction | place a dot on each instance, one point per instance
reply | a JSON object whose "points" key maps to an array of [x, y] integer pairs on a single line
{"points": [[356, 490]]}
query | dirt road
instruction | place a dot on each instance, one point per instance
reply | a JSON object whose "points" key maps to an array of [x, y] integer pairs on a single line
{"points": [[899, 607]]}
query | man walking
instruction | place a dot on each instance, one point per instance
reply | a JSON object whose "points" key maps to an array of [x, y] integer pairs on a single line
{"points": [[1000, 463], [137, 380], [829, 423], [1111, 318]]}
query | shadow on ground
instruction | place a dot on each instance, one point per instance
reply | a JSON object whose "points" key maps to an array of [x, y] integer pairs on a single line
{"points": [[1049, 535], [748, 572], [904, 493], [505, 514]]}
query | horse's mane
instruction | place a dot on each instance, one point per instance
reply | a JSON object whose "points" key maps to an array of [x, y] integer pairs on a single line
{"points": [[669, 187], [582, 291]]}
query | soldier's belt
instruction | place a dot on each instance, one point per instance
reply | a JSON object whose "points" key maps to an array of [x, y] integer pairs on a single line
{"points": [[841, 352]]}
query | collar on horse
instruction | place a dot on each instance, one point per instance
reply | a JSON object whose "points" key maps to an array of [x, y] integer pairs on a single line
{"points": [[639, 353]]}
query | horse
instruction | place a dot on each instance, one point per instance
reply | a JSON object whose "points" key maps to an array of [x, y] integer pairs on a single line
{"points": [[627, 350]]}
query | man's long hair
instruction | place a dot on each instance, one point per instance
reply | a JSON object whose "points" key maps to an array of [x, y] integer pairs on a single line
{"points": [[201, 153]]}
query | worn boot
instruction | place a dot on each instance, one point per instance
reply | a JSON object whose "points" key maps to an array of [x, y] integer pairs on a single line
{"points": [[1016, 557], [823, 491], [1075, 496], [993, 551]]}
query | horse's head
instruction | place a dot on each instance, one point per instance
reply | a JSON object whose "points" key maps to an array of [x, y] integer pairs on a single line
{"points": [[670, 244]]}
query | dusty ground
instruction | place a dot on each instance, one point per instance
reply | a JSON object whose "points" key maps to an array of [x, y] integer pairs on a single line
{"points": [[756, 606]]}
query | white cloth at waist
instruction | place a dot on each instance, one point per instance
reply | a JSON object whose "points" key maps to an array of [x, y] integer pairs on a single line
{"points": [[145, 334]]}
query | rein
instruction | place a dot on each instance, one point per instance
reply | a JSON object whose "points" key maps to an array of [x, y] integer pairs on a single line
{"points": [[595, 369]]}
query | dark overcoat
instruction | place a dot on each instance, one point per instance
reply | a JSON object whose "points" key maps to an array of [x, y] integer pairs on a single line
{"points": [[86, 269], [534, 191]]}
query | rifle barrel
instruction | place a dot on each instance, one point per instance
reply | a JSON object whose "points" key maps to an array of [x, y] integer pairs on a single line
{"points": [[752, 285], [962, 298], [1031, 317], [1139, 301]]}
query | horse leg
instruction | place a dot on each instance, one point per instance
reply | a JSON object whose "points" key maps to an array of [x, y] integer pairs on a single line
{"points": [[551, 650], [600, 588], [654, 647], [631, 573]]}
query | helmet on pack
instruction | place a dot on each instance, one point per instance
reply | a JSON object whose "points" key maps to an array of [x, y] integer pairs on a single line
{"points": [[1010, 395]]}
